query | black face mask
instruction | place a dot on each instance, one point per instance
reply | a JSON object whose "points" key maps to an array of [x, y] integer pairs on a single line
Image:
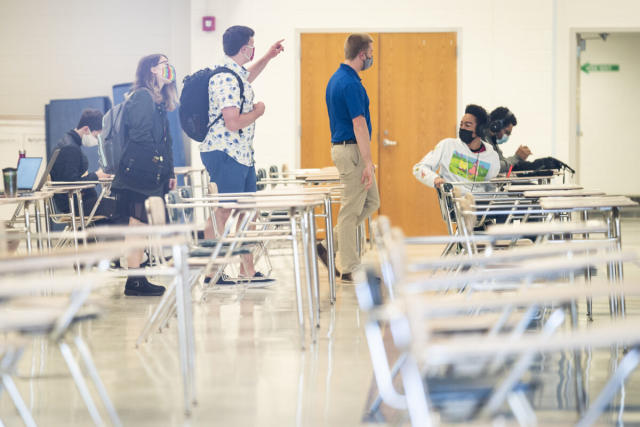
{"points": [[466, 136]]}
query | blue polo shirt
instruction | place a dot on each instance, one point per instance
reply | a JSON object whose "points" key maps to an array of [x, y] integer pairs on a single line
{"points": [[346, 99]]}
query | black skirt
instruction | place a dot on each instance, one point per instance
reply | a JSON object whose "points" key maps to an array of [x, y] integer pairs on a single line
{"points": [[130, 204]]}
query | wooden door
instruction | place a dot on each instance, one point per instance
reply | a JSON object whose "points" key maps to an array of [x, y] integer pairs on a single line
{"points": [[412, 89], [320, 56], [417, 109]]}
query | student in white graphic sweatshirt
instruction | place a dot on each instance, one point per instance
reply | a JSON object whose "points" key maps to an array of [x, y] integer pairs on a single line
{"points": [[466, 158]]}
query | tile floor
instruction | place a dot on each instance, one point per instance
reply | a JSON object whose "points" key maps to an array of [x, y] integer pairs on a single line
{"points": [[250, 369]]}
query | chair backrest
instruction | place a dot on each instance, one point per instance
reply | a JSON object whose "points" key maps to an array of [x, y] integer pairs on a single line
{"points": [[445, 200], [171, 198], [155, 210], [186, 193], [261, 174], [273, 174]]}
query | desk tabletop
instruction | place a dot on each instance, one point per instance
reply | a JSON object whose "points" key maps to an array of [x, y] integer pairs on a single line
{"points": [[281, 202], [70, 186], [541, 187], [538, 228], [561, 193], [183, 170], [586, 202], [28, 197]]}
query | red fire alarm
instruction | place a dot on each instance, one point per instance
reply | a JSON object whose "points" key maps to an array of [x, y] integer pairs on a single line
{"points": [[208, 23]]}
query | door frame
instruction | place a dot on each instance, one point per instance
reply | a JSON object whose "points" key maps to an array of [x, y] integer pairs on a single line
{"points": [[574, 79], [315, 30]]}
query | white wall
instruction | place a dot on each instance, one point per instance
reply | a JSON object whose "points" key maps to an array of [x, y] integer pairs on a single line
{"points": [[608, 112], [80, 48], [504, 47], [518, 53]]}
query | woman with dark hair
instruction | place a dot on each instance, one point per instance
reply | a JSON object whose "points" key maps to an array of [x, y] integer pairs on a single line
{"points": [[146, 165]]}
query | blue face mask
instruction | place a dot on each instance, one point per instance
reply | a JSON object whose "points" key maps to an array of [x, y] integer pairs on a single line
{"points": [[502, 140], [368, 62]]}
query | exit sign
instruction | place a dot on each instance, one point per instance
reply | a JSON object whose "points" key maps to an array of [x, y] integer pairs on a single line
{"points": [[587, 68]]}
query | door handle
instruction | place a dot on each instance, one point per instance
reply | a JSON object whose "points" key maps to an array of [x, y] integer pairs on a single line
{"points": [[389, 143]]}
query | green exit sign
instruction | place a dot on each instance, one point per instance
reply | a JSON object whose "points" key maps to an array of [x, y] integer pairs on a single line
{"points": [[587, 68]]}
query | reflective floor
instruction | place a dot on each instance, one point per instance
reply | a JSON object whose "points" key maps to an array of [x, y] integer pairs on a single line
{"points": [[251, 371]]}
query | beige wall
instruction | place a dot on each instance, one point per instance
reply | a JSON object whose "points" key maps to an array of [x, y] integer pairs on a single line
{"points": [[76, 49], [518, 53]]}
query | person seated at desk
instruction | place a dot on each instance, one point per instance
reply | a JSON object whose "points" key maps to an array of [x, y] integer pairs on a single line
{"points": [[466, 158], [72, 164], [501, 123]]}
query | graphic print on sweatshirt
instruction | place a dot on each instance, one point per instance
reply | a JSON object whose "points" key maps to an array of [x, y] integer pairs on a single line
{"points": [[468, 167]]}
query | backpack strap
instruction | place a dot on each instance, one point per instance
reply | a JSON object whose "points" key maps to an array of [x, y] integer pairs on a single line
{"points": [[219, 70]]}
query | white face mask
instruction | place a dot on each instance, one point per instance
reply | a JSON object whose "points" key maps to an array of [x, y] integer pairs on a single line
{"points": [[502, 140], [89, 140]]}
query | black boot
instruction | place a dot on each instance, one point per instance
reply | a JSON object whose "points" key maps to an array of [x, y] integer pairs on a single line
{"points": [[140, 286]]}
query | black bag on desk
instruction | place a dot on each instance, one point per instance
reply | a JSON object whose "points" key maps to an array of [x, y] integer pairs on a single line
{"points": [[543, 164]]}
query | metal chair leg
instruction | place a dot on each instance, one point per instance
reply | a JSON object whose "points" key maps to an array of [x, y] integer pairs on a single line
{"points": [[296, 272], [24, 412], [80, 382], [95, 377]]}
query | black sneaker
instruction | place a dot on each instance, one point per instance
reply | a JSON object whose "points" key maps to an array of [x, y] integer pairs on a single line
{"points": [[346, 278], [139, 286], [222, 280], [324, 257]]}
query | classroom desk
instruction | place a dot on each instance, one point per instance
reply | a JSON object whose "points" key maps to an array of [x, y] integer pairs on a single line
{"points": [[74, 189], [305, 206], [316, 176], [325, 191], [300, 209], [26, 201], [612, 204], [191, 173]]}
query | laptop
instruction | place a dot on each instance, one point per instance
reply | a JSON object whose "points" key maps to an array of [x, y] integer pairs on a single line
{"points": [[47, 171], [28, 168]]}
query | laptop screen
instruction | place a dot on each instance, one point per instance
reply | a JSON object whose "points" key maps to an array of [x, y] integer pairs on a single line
{"points": [[28, 168]]}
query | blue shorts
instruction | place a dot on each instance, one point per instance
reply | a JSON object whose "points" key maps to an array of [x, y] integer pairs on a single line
{"points": [[227, 173]]}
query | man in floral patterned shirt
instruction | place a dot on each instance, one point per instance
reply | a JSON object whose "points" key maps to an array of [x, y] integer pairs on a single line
{"points": [[227, 150]]}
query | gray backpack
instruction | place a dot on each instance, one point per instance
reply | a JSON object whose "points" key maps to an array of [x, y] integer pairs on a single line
{"points": [[111, 141]]}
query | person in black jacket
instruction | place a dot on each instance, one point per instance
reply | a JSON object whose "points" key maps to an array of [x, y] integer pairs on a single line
{"points": [[72, 164], [146, 166]]}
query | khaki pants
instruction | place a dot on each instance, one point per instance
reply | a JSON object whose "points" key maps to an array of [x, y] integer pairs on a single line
{"points": [[357, 204]]}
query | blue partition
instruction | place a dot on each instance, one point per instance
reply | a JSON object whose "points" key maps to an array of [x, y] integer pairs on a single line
{"points": [[62, 115]]}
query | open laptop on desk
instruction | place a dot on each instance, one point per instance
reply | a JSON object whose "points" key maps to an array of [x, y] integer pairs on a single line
{"points": [[28, 168]]}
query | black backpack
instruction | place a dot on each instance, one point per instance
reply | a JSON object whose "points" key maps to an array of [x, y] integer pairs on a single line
{"points": [[194, 102]]}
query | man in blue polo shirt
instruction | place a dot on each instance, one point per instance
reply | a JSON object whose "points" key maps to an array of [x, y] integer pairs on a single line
{"points": [[348, 107]]}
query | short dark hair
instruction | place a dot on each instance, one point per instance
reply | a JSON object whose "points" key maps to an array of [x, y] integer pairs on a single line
{"points": [[355, 44], [91, 118], [504, 114], [234, 38], [480, 114]]}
